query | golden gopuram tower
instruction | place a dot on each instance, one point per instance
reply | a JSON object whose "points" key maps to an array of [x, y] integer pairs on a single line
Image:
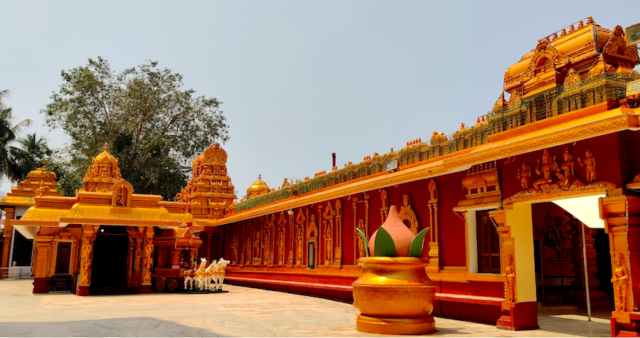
{"points": [[209, 192]]}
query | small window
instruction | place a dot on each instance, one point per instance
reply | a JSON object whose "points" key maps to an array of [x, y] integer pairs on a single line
{"points": [[488, 244]]}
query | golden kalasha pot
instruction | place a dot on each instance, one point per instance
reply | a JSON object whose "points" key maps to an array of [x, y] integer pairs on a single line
{"points": [[394, 296]]}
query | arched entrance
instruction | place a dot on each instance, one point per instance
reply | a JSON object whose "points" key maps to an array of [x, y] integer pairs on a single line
{"points": [[109, 273]]}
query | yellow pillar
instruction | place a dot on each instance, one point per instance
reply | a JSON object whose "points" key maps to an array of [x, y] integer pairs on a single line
{"points": [[147, 260], [520, 221], [6, 243], [42, 279], [86, 258], [514, 225]]}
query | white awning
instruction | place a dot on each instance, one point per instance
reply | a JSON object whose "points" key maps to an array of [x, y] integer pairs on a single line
{"points": [[586, 209]]}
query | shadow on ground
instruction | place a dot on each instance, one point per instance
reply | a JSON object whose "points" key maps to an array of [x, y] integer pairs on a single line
{"points": [[118, 327]]}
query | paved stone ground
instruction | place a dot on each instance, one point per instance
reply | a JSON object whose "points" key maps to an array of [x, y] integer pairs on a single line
{"points": [[239, 312]]}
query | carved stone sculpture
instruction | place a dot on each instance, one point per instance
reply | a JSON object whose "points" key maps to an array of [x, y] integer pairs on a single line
{"points": [[620, 282], [589, 163], [509, 280], [524, 175], [544, 169], [566, 172]]}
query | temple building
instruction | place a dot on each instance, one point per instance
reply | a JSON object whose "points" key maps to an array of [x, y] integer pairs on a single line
{"points": [[102, 240], [16, 249], [517, 203], [535, 204]]}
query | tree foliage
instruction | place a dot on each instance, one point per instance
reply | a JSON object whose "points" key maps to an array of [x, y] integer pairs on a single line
{"points": [[8, 134], [153, 126], [29, 154]]}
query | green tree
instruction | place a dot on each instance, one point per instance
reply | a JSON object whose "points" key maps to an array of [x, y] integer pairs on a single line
{"points": [[153, 126], [29, 154], [8, 134]]}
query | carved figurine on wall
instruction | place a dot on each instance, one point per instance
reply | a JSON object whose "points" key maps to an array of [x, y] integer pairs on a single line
{"points": [[121, 200], [589, 163], [234, 249], [544, 169], [256, 248], [281, 243], [299, 243], [620, 282], [361, 250], [266, 246], [566, 173], [328, 245], [524, 175], [509, 280], [247, 249], [148, 250]]}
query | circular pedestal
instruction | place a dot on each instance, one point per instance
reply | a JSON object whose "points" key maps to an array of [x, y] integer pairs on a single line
{"points": [[397, 326]]}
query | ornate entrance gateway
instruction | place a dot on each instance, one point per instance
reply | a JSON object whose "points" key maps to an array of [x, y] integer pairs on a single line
{"points": [[102, 240]]}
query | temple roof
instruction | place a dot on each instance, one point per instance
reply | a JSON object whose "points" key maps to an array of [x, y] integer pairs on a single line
{"points": [[584, 47], [40, 182]]}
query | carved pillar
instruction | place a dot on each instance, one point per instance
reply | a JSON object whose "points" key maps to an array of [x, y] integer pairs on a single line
{"points": [[133, 233], [6, 243], [89, 232], [337, 260], [622, 222], [42, 279], [137, 264], [292, 236], [515, 228], [356, 238], [147, 260], [434, 231]]}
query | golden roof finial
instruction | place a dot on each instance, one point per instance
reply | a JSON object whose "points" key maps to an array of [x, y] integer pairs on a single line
{"points": [[44, 162], [106, 146], [260, 176]]}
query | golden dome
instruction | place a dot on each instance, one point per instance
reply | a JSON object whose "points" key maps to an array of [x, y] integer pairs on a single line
{"points": [[259, 187], [41, 173], [105, 156]]}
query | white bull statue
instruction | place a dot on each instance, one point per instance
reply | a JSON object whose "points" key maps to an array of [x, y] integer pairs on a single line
{"points": [[217, 275]]}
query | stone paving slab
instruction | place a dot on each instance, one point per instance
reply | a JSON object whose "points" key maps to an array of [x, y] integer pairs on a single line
{"points": [[240, 312]]}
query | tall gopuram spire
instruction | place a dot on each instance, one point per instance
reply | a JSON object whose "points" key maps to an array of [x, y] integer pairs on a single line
{"points": [[209, 192], [102, 173]]}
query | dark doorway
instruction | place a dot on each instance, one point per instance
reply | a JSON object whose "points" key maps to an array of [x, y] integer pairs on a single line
{"points": [[63, 258], [110, 249], [22, 250]]}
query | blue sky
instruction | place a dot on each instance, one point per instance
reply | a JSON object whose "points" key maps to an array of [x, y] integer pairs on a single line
{"points": [[298, 79]]}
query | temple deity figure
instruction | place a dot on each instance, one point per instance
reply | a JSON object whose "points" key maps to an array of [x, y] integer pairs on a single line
{"points": [[566, 173], [589, 163], [509, 280], [524, 175], [234, 249], [148, 250], [328, 244], [361, 248], [545, 168], [281, 242], [266, 246], [299, 248], [247, 249], [256, 248], [121, 200], [620, 282]]}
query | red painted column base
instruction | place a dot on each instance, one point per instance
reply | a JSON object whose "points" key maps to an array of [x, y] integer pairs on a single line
{"points": [[41, 284], [145, 289], [82, 291], [625, 330], [522, 316]]}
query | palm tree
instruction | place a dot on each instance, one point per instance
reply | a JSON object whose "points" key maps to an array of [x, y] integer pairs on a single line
{"points": [[29, 155], [8, 134]]}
